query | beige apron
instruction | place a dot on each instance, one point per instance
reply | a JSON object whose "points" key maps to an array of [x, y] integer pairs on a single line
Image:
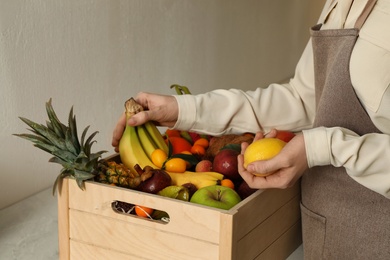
{"points": [[341, 219]]}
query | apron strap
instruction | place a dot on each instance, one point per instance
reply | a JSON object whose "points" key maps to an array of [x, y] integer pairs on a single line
{"points": [[365, 13]]}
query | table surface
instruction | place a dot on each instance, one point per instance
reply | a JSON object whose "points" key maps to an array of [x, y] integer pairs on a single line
{"points": [[28, 229]]}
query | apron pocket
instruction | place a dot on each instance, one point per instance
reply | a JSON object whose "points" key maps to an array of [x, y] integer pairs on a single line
{"points": [[313, 233]]}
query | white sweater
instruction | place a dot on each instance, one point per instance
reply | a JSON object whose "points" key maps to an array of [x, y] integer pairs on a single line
{"points": [[291, 106]]}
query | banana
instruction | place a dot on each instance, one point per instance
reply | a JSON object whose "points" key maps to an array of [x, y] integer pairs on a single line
{"points": [[137, 144], [146, 141], [199, 179], [131, 151], [156, 136], [130, 148]]}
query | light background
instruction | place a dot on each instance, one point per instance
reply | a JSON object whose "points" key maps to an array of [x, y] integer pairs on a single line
{"points": [[94, 54]]}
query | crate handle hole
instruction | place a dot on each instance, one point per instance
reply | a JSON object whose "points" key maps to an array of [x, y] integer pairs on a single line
{"points": [[140, 211]]}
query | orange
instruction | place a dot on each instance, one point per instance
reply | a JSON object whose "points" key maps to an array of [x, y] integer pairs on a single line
{"points": [[142, 211], [159, 157], [172, 132], [176, 165], [227, 183], [262, 149], [202, 142], [179, 144], [197, 149]]}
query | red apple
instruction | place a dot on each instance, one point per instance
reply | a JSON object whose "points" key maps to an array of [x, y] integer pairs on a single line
{"points": [[225, 162], [244, 190], [285, 135]]}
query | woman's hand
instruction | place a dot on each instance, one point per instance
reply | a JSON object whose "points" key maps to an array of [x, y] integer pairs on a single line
{"points": [[288, 166], [162, 109]]}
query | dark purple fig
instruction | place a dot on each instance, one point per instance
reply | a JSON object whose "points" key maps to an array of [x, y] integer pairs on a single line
{"points": [[158, 181], [191, 188]]}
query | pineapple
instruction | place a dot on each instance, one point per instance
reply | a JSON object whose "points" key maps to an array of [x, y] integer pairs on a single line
{"points": [[74, 155], [119, 175]]}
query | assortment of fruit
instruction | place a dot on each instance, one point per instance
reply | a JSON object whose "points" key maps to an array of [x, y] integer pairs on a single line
{"points": [[176, 164]]}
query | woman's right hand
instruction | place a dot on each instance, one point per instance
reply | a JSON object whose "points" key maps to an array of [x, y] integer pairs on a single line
{"points": [[287, 166], [162, 109]]}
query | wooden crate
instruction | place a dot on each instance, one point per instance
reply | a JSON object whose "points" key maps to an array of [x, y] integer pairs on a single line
{"points": [[265, 225]]}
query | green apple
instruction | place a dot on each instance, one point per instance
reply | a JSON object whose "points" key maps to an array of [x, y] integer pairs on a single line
{"points": [[216, 196]]}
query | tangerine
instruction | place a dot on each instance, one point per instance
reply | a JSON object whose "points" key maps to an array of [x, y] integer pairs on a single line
{"points": [[176, 165], [197, 149], [179, 144], [227, 183], [143, 211], [158, 157], [202, 142]]}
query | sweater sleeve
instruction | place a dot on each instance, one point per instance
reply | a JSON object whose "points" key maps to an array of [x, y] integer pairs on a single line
{"points": [[365, 158], [288, 106]]}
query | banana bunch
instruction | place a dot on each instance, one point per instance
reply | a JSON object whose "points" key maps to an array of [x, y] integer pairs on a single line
{"points": [[138, 143]]}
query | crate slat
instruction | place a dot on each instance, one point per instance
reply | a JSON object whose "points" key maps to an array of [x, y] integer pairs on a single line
{"points": [[137, 240], [186, 218]]}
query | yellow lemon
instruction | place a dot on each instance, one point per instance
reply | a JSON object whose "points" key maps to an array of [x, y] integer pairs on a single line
{"points": [[262, 149]]}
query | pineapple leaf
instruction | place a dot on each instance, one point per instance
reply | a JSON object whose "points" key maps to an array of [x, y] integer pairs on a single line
{"points": [[88, 143], [45, 147], [89, 139], [34, 126], [64, 164], [62, 142], [80, 183], [80, 161], [49, 125], [82, 176], [83, 137], [33, 138], [64, 155], [93, 160], [96, 155], [57, 126], [73, 131], [58, 182], [43, 131], [69, 143]]}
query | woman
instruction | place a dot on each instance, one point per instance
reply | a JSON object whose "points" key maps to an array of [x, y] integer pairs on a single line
{"points": [[339, 101]]}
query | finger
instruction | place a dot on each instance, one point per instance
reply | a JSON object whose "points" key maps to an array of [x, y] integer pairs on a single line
{"points": [[258, 136], [264, 166], [139, 118], [272, 133], [244, 145], [118, 130], [247, 176], [142, 98]]}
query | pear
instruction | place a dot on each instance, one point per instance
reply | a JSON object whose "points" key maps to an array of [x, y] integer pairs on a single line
{"points": [[175, 192]]}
